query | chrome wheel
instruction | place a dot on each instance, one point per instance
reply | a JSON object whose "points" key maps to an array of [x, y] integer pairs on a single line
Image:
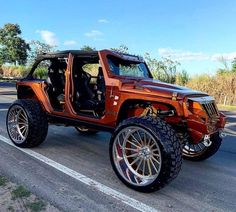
{"points": [[206, 148], [137, 156], [192, 150], [17, 124]]}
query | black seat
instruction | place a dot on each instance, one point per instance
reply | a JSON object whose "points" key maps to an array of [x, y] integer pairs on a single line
{"points": [[56, 78], [56, 82], [85, 97]]}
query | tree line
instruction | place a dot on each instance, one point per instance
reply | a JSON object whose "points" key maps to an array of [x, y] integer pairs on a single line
{"points": [[221, 85], [16, 51]]}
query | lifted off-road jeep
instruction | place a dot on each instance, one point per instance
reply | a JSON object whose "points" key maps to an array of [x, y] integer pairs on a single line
{"points": [[153, 124]]}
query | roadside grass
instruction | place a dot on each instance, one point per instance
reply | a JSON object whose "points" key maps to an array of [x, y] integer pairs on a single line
{"points": [[3, 181], [227, 107], [20, 192], [15, 198], [37, 206]]}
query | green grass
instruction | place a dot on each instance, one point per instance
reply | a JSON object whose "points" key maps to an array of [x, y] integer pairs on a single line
{"points": [[3, 181], [37, 206], [20, 192], [227, 107]]}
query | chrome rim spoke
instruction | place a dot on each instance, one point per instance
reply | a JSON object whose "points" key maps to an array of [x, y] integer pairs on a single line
{"points": [[131, 149], [154, 154], [137, 168], [140, 138], [153, 165], [133, 143], [136, 139], [156, 160], [144, 166], [133, 155], [152, 145], [134, 161], [149, 141], [149, 167]]}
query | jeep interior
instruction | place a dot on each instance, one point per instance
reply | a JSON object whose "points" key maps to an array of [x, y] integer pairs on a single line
{"points": [[55, 80], [89, 87]]}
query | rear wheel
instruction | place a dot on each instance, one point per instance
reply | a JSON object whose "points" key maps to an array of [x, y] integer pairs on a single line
{"points": [[27, 124], [202, 150], [145, 153], [86, 131]]}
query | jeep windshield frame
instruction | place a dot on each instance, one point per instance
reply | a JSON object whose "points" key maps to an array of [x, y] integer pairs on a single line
{"points": [[128, 66]]}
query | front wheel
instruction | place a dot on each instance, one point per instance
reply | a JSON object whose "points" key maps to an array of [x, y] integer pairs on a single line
{"points": [[145, 153], [201, 151]]}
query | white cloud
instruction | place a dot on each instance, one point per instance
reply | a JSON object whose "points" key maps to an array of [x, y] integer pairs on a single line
{"points": [[69, 43], [48, 37], [227, 56], [179, 54], [105, 21], [95, 34]]}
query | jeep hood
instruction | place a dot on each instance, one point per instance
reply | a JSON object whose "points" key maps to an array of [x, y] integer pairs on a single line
{"points": [[156, 87]]}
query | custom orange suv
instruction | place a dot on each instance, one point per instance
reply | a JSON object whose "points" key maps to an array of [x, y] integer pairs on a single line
{"points": [[153, 124]]}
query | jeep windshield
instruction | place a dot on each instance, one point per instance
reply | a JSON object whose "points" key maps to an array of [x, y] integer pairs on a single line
{"points": [[128, 68]]}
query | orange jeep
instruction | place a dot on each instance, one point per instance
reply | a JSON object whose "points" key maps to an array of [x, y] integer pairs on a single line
{"points": [[153, 124]]}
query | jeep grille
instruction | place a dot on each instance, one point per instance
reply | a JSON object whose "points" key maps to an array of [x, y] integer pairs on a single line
{"points": [[210, 108], [208, 105]]}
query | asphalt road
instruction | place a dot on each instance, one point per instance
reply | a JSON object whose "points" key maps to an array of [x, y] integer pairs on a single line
{"points": [[200, 186]]}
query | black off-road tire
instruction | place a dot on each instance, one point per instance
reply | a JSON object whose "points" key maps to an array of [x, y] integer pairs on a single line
{"points": [[86, 131], [210, 151], [170, 147], [37, 123]]}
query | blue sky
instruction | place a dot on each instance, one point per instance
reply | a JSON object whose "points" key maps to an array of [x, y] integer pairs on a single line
{"points": [[196, 33]]}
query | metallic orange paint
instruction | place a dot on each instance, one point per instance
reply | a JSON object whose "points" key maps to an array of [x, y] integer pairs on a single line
{"points": [[120, 89]]}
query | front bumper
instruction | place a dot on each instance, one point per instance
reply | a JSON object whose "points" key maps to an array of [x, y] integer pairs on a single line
{"points": [[198, 128]]}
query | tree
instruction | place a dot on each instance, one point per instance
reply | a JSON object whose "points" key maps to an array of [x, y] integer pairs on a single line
{"points": [[234, 65], [13, 49], [182, 78], [87, 48], [122, 49], [223, 61], [226, 69], [164, 69], [38, 47]]}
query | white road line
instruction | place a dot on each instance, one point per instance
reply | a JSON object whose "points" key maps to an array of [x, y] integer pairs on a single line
{"points": [[86, 180], [4, 109]]}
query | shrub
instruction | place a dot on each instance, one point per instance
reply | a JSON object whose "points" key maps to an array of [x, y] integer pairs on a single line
{"points": [[14, 71], [221, 86], [22, 71], [41, 73]]}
